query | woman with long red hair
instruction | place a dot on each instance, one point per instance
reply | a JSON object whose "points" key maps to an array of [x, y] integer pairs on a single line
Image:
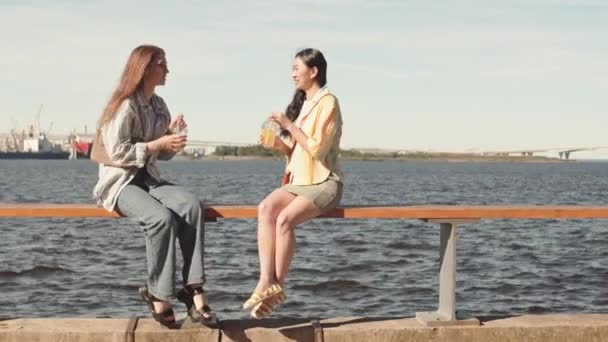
{"points": [[134, 131]]}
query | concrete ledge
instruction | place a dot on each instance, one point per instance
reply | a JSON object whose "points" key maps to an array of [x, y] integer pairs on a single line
{"points": [[554, 328], [68, 330]]}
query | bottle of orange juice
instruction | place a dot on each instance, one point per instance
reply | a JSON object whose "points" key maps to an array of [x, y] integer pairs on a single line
{"points": [[270, 130]]}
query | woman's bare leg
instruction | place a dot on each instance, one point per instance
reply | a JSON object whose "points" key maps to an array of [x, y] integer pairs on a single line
{"points": [[268, 210], [298, 211]]}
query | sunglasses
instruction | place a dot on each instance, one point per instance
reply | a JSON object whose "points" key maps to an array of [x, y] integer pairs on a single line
{"points": [[162, 62]]}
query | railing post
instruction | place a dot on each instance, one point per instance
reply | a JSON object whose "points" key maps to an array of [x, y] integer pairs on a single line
{"points": [[447, 271], [446, 312]]}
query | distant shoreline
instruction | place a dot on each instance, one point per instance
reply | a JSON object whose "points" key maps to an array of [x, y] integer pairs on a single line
{"points": [[451, 159], [257, 152]]}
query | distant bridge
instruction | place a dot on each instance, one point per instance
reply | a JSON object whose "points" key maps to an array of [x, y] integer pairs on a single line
{"points": [[563, 152], [191, 143], [204, 143], [203, 147]]}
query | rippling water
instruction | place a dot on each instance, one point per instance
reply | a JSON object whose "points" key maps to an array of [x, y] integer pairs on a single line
{"points": [[93, 267]]}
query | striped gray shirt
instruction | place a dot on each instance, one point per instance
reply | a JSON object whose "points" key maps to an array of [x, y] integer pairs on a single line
{"points": [[125, 140]]}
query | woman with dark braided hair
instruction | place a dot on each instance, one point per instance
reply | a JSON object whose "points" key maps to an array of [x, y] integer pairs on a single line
{"points": [[311, 130]]}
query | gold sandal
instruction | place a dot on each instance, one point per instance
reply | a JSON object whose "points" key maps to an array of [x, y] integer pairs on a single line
{"points": [[258, 297], [267, 306]]}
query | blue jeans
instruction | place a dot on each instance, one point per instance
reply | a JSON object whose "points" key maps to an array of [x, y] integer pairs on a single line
{"points": [[166, 211]]}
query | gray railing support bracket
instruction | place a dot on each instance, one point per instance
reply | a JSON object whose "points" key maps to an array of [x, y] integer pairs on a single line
{"points": [[446, 312]]}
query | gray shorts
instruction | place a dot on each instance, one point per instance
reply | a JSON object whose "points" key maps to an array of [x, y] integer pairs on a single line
{"points": [[325, 195]]}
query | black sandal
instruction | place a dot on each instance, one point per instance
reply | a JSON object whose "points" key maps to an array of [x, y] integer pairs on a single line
{"points": [[149, 299], [204, 315]]}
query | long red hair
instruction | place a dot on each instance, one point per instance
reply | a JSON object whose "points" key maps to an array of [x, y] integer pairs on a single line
{"points": [[130, 80]]}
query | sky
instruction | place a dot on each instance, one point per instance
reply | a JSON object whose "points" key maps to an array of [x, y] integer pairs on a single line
{"points": [[419, 75]]}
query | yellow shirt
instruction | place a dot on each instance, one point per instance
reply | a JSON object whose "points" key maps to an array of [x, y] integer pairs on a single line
{"points": [[321, 121]]}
